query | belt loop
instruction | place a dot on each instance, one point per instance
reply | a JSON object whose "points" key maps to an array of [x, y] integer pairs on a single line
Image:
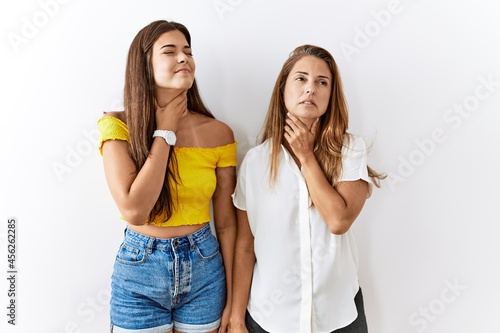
{"points": [[191, 242], [149, 246]]}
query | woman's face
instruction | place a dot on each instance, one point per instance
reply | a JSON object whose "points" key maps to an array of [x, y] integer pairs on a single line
{"points": [[172, 62], [307, 89]]}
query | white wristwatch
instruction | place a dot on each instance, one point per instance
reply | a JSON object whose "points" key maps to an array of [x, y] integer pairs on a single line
{"points": [[169, 136]]}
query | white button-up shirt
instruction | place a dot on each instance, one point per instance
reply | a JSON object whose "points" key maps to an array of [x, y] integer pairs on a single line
{"points": [[305, 277]]}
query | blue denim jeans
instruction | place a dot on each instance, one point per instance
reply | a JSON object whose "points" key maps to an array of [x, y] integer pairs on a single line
{"points": [[162, 284]]}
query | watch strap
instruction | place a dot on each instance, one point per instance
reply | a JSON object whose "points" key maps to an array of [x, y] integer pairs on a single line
{"points": [[168, 136]]}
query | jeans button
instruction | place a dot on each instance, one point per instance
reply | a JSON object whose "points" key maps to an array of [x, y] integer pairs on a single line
{"points": [[176, 242]]}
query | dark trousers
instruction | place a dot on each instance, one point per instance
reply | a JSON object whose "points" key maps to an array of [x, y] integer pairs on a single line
{"points": [[357, 326]]}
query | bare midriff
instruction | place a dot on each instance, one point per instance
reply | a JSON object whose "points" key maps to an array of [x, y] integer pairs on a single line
{"points": [[166, 232]]}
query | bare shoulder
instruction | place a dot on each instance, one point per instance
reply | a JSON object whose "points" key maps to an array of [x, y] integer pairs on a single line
{"points": [[208, 133], [117, 114], [221, 132]]}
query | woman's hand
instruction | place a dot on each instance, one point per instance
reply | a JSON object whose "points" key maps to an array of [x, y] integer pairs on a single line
{"points": [[299, 137], [168, 116], [237, 328], [224, 325]]}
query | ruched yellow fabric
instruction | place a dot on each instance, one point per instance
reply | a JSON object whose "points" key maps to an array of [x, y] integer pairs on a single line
{"points": [[111, 128]]}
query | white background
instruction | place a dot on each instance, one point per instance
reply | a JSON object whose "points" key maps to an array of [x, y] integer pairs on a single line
{"points": [[428, 240]]}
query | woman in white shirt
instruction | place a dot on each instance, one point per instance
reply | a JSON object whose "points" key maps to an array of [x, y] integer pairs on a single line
{"points": [[298, 193]]}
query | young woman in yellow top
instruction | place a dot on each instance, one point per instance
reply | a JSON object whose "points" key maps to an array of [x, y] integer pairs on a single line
{"points": [[165, 159]]}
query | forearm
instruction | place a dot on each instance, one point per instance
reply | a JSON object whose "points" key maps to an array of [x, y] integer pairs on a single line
{"points": [[244, 261], [136, 193], [227, 236], [330, 204]]}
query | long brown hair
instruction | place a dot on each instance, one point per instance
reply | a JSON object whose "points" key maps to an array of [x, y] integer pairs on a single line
{"points": [[333, 123], [139, 103]]}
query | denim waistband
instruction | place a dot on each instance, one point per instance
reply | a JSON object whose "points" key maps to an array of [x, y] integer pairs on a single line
{"points": [[150, 242]]}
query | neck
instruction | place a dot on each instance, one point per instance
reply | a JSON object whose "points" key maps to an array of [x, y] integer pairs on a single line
{"points": [[165, 96], [308, 122]]}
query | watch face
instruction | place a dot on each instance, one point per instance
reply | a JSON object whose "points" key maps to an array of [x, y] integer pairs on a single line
{"points": [[170, 138]]}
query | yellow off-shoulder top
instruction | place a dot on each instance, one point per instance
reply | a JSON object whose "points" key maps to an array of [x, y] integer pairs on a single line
{"points": [[196, 171]]}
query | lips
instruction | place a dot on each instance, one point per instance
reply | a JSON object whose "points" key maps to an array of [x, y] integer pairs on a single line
{"points": [[308, 102], [183, 70]]}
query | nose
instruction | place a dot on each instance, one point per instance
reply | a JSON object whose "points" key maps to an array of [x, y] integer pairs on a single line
{"points": [[310, 89], [182, 58]]}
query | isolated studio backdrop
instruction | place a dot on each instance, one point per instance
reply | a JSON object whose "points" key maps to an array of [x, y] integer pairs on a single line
{"points": [[422, 78]]}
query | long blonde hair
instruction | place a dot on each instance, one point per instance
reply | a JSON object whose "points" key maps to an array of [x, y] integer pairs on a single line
{"points": [[139, 102], [333, 123]]}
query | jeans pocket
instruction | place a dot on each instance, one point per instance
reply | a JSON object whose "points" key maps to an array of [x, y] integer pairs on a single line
{"points": [[208, 248], [130, 254]]}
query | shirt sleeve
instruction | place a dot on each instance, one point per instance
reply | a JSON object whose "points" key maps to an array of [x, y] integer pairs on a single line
{"points": [[111, 128], [227, 156], [354, 164]]}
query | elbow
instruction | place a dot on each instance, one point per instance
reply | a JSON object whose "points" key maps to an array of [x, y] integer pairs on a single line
{"points": [[224, 230], [339, 227], [135, 216], [224, 224]]}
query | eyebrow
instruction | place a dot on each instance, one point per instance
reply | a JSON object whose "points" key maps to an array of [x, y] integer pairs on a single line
{"points": [[173, 45], [306, 73]]}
